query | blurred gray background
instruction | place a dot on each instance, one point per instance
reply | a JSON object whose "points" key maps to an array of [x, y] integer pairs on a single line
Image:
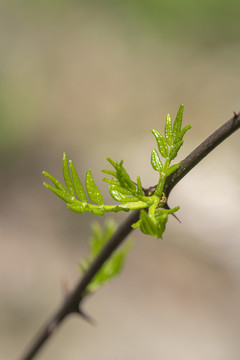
{"points": [[92, 78]]}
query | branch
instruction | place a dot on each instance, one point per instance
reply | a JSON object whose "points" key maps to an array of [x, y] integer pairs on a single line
{"points": [[73, 300]]}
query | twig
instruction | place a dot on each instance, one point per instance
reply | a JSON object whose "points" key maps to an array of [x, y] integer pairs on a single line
{"points": [[73, 300]]}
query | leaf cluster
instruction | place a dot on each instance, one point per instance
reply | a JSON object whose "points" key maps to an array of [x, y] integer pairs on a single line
{"points": [[126, 192]]}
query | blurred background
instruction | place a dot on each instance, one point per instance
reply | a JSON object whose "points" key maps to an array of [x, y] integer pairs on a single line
{"points": [[92, 78]]}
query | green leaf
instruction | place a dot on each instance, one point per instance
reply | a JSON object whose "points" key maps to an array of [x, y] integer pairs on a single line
{"points": [[155, 161], [139, 187], [161, 211], [175, 149], [121, 194], [112, 181], [147, 226], [110, 172], [173, 168], [121, 175], [77, 184], [92, 189], [136, 224], [168, 130], [61, 194], [161, 224], [178, 123], [55, 182], [162, 144], [121, 190], [182, 133], [66, 175]]}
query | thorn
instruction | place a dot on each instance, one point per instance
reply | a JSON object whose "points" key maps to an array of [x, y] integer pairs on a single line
{"points": [[175, 216], [86, 317], [150, 190]]}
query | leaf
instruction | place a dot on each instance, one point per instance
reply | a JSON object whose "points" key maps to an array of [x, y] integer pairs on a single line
{"points": [[155, 161], [168, 130], [161, 224], [139, 187], [147, 226], [178, 123], [182, 133], [110, 172], [57, 183], [121, 190], [77, 184], [92, 189], [175, 149], [159, 212], [66, 175], [121, 175], [173, 168], [111, 181], [162, 144], [122, 195], [61, 194], [136, 224]]}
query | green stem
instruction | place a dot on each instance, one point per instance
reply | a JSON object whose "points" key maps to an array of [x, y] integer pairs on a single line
{"points": [[162, 179]]}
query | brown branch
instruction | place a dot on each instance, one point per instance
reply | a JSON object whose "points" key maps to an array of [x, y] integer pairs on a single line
{"points": [[73, 300]]}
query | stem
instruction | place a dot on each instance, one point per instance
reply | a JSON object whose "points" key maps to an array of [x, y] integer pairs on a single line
{"points": [[74, 299], [162, 178]]}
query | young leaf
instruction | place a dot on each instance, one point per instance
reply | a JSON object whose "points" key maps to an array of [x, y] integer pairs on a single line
{"points": [[147, 226], [161, 224], [55, 182], [110, 172], [159, 212], [178, 123], [155, 161], [182, 133], [139, 187], [92, 189], [162, 144], [126, 178], [66, 175], [121, 175], [122, 195], [168, 130], [61, 194], [111, 181], [173, 168], [175, 149], [77, 184]]}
